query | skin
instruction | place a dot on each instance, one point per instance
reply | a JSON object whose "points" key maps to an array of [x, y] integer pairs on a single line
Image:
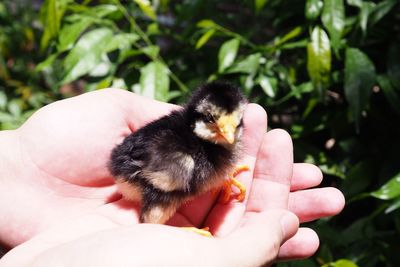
{"points": [[64, 200]]}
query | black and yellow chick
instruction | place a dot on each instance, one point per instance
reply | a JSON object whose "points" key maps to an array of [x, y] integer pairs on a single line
{"points": [[183, 154]]}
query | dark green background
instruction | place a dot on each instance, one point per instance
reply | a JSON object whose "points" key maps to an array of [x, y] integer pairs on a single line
{"points": [[326, 71]]}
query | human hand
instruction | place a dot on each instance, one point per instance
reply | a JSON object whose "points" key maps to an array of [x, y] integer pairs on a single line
{"points": [[256, 242], [75, 173], [273, 182], [58, 161]]}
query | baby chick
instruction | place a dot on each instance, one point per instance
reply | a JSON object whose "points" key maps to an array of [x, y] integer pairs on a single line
{"points": [[183, 154]]}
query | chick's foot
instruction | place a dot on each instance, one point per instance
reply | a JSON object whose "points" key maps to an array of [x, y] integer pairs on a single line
{"points": [[227, 187]]}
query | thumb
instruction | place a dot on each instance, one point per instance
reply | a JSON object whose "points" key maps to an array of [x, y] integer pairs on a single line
{"points": [[138, 110], [258, 240]]}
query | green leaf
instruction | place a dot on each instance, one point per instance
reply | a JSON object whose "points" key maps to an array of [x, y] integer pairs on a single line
{"points": [[122, 41], [333, 18], [341, 263], [86, 54], [259, 4], [106, 82], [151, 51], [356, 3], [319, 60], [46, 63], [359, 78], [147, 8], [70, 33], [390, 93], [312, 103], [393, 65], [3, 100], [345, 263], [153, 29], [154, 81], [302, 88], [124, 54], [294, 45], [3, 10], [366, 9], [266, 85], [5, 117], [118, 83], [173, 94], [248, 65], [394, 206], [248, 83], [381, 10], [326, 165], [358, 178], [101, 11], [390, 190], [206, 23], [51, 14], [227, 54], [313, 9], [204, 38], [101, 69], [14, 107], [289, 36]]}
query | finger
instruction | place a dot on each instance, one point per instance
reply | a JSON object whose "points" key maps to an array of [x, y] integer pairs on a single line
{"points": [[316, 203], [255, 125], [264, 233], [225, 217], [302, 245], [272, 173], [305, 175]]}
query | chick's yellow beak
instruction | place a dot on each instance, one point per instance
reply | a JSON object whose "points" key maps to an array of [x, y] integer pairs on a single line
{"points": [[227, 127]]}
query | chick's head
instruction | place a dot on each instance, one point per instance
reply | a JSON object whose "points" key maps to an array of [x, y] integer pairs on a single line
{"points": [[217, 113]]}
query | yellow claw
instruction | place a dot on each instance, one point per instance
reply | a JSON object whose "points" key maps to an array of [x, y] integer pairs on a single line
{"points": [[227, 187], [203, 231], [240, 168], [241, 188]]}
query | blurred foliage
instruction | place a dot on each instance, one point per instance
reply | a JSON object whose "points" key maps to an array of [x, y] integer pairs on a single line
{"points": [[327, 71], [21, 90]]}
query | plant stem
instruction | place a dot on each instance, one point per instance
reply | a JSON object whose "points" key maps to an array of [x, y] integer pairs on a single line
{"points": [[135, 27], [236, 35]]}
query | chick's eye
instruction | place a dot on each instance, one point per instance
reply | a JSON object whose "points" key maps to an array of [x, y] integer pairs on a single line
{"points": [[209, 118]]}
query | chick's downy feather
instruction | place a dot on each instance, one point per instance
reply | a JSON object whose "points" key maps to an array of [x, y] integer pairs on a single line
{"points": [[183, 154]]}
